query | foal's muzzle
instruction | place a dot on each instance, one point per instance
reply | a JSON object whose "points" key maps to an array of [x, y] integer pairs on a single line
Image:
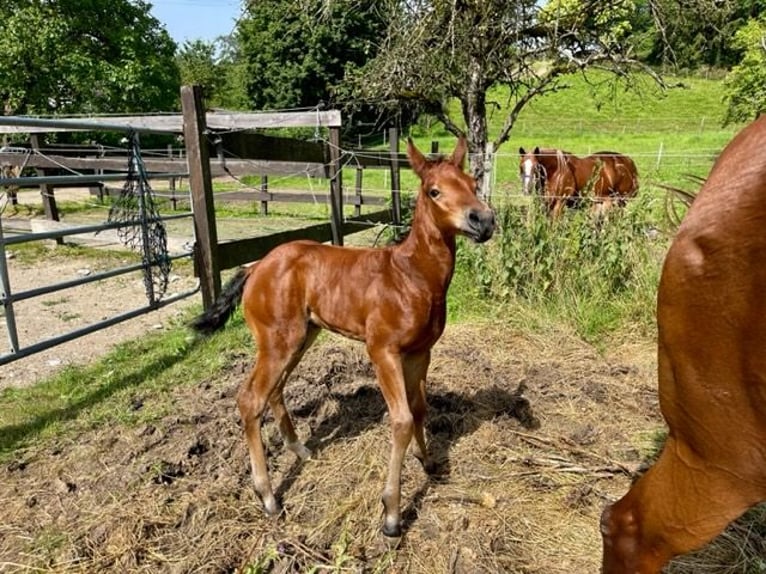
{"points": [[481, 224]]}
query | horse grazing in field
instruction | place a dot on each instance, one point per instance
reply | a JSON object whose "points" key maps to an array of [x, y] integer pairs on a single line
{"points": [[711, 318], [547, 173], [611, 177], [392, 298], [562, 177]]}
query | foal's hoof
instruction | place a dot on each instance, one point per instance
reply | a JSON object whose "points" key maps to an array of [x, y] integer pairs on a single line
{"points": [[272, 508], [392, 531], [300, 449]]}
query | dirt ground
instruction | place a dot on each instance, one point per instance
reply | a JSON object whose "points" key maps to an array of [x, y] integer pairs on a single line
{"points": [[533, 436]]}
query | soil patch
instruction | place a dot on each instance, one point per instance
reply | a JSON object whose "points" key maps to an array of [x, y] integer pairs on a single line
{"points": [[523, 428]]}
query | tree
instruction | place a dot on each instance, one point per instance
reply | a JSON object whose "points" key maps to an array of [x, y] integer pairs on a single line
{"points": [[443, 50], [296, 52], [688, 34], [85, 56], [199, 65], [746, 83]]}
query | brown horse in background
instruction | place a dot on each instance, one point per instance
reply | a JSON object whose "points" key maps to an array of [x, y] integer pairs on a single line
{"points": [[711, 318], [548, 174], [609, 178], [394, 299]]}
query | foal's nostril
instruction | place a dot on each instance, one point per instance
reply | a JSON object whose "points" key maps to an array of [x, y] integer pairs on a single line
{"points": [[473, 217]]}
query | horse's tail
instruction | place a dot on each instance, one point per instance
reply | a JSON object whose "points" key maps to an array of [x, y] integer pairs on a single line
{"points": [[216, 317]]}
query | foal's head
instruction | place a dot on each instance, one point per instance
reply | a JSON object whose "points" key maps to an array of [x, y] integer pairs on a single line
{"points": [[449, 194], [531, 170]]}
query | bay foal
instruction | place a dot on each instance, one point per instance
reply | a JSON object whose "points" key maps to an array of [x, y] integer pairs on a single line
{"points": [[711, 315], [392, 298]]}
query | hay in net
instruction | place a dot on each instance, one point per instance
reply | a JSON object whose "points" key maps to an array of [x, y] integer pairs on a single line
{"points": [[141, 227]]}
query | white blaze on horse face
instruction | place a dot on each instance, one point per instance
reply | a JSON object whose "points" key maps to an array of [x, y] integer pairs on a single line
{"points": [[528, 169]]}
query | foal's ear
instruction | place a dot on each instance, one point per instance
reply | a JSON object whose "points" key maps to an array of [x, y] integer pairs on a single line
{"points": [[417, 160], [458, 156], [521, 151]]}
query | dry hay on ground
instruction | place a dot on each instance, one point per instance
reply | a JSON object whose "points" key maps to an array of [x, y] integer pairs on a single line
{"points": [[534, 436]]}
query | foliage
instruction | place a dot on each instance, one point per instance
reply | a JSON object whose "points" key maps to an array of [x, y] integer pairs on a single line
{"points": [[746, 84], [92, 56], [688, 35], [198, 65], [580, 267], [295, 55]]}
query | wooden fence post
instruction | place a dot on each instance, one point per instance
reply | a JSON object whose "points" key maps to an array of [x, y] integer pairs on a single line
{"points": [[172, 182], [201, 186], [46, 190], [358, 192], [396, 199], [336, 188], [264, 189]]}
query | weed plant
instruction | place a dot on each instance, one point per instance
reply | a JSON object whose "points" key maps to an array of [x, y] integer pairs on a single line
{"points": [[599, 274]]}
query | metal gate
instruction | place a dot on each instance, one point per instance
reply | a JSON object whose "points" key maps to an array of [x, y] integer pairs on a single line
{"points": [[135, 221]]}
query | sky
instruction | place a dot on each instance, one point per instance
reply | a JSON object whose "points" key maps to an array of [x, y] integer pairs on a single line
{"points": [[196, 19]]}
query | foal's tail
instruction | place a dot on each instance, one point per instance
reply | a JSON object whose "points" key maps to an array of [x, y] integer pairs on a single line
{"points": [[215, 318]]}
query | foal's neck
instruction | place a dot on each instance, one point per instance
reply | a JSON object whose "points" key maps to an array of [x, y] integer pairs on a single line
{"points": [[430, 250]]}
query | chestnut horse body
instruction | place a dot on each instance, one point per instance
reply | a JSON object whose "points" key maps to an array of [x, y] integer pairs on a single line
{"points": [[546, 172], [711, 315], [392, 298], [608, 178]]}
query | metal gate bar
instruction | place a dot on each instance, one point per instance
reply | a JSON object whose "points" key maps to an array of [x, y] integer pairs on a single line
{"points": [[52, 342], [55, 234], [7, 297], [21, 295]]}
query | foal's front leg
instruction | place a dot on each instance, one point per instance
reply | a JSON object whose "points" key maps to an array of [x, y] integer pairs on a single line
{"points": [[388, 368], [415, 371]]}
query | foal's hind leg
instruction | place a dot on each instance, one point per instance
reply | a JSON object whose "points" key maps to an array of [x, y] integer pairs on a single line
{"points": [[277, 356], [415, 371], [277, 400]]}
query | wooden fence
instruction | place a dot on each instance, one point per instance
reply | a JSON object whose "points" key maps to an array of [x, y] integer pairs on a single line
{"points": [[218, 144]]}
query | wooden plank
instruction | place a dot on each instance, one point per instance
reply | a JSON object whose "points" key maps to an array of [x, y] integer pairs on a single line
{"points": [[295, 197], [176, 165], [201, 185], [238, 252], [175, 122], [263, 147], [374, 159]]}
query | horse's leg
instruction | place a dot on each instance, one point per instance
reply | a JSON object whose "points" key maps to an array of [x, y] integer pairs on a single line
{"points": [[389, 371], [276, 353], [415, 371], [277, 400], [680, 504], [558, 208]]}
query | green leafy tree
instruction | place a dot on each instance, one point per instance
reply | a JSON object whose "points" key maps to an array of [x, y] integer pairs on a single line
{"points": [[198, 64], [690, 34], [296, 52], [439, 51], [85, 56], [746, 83]]}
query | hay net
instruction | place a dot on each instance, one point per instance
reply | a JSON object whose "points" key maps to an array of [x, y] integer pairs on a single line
{"points": [[140, 225]]}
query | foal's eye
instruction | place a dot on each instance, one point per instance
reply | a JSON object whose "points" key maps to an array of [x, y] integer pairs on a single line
{"points": [[433, 193]]}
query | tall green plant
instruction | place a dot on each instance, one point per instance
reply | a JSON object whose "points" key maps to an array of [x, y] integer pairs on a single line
{"points": [[583, 268]]}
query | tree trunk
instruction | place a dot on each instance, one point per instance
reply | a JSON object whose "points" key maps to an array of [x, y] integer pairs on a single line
{"points": [[474, 106]]}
